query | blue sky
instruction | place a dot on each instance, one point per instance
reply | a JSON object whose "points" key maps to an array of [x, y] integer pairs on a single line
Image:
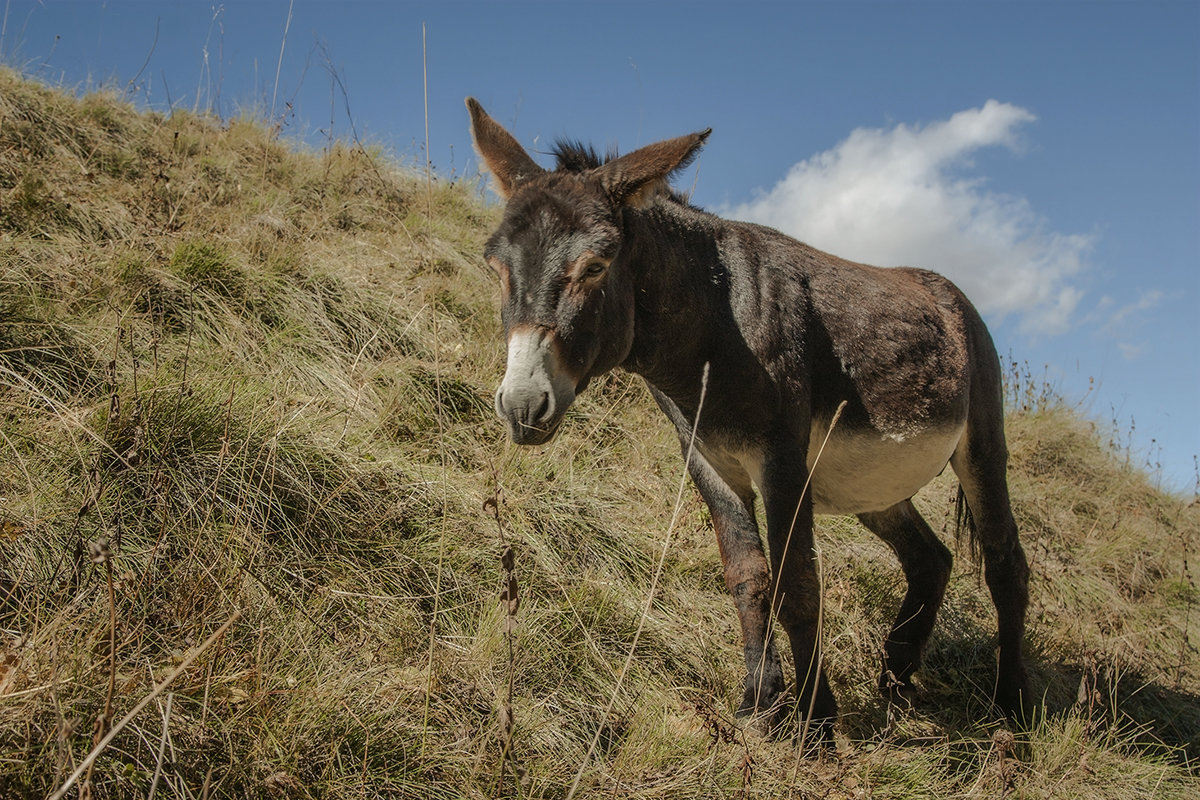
{"points": [[1045, 155]]}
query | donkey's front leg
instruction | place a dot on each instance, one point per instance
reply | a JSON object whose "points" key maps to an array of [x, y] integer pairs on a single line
{"points": [[796, 594], [730, 498]]}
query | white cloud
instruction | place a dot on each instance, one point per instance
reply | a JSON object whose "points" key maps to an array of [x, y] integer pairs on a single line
{"points": [[1148, 300], [1125, 321], [898, 197], [1131, 352]]}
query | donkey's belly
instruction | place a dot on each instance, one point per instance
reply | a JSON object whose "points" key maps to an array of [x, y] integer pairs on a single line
{"points": [[863, 471]]}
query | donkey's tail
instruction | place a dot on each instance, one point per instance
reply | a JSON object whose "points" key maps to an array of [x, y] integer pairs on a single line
{"points": [[964, 521]]}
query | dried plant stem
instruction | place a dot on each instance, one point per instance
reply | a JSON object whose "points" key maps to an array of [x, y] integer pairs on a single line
{"points": [[801, 680], [817, 651], [637, 635], [815, 668], [106, 716], [437, 382], [279, 64], [511, 599], [162, 747], [145, 701]]}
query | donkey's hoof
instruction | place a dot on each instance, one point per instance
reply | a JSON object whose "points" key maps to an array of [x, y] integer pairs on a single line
{"points": [[762, 696], [900, 693], [1016, 703], [815, 734], [769, 719]]}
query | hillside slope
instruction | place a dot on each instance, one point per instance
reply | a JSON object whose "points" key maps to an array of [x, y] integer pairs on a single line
{"points": [[243, 384]]}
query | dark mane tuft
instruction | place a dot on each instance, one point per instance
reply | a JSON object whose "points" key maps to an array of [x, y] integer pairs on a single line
{"points": [[575, 156], [572, 155]]}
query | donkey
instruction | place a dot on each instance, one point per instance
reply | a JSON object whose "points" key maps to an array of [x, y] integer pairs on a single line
{"points": [[601, 265]]}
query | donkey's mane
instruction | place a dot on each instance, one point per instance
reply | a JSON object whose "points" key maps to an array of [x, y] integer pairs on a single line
{"points": [[575, 156]]}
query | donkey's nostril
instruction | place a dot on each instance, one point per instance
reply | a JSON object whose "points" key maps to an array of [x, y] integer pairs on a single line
{"points": [[532, 408], [543, 410], [536, 390]]}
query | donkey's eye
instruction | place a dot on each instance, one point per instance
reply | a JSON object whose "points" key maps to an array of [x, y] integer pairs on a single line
{"points": [[594, 269]]}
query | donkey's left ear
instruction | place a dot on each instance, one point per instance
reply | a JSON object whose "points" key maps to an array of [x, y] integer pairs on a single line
{"points": [[636, 177]]}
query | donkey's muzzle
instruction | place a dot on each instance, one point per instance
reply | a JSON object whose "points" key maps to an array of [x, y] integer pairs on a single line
{"points": [[536, 390]]}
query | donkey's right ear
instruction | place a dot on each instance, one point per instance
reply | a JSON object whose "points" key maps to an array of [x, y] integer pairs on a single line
{"points": [[502, 155]]}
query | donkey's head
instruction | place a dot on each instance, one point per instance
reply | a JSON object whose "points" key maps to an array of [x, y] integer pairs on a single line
{"points": [[566, 293]]}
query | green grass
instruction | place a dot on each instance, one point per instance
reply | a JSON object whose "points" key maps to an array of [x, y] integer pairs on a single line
{"points": [[237, 377]]}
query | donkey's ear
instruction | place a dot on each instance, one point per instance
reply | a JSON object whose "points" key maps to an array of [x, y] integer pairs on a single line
{"points": [[636, 177], [502, 155]]}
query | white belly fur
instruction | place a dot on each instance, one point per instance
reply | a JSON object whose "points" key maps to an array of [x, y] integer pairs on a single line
{"points": [[860, 471]]}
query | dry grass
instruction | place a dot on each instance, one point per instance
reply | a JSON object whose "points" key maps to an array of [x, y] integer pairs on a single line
{"points": [[236, 378]]}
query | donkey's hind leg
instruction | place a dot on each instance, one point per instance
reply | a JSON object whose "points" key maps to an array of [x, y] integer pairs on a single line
{"points": [[926, 563], [981, 465]]}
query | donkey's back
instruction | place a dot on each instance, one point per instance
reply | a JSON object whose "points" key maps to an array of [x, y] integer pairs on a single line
{"points": [[904, 348]]}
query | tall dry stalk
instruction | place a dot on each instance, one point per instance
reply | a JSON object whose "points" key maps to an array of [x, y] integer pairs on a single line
{"points": [[510, 597], [279, 64], [439, 414], [91, 757], [662, 558]]}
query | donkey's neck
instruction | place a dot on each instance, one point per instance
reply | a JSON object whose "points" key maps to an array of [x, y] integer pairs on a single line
{"points": [[682, 310]]}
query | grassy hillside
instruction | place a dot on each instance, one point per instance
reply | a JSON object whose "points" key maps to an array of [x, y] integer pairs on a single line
{"points": [[250, 480]]}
